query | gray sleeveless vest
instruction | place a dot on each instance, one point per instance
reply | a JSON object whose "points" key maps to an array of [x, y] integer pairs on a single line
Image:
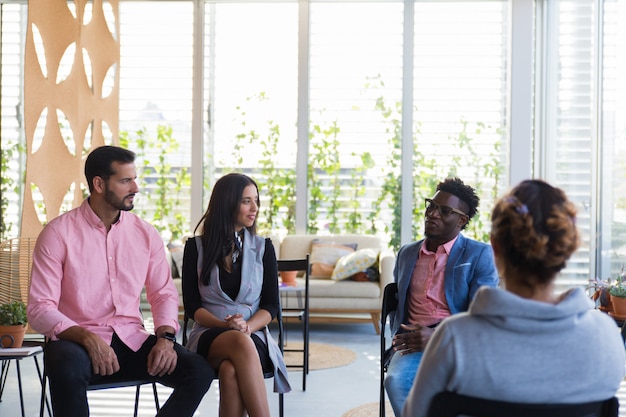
{"points": [[247, 302]]}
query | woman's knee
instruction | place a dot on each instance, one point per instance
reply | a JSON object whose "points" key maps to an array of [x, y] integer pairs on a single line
{"points": [[234, 344]]}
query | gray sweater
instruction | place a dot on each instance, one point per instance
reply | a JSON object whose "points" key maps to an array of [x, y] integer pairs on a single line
{"points": [[514, 349]]}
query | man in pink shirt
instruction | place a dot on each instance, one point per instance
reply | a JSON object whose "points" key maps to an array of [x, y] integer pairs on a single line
{"points": [[437, 277], [89, 268]]}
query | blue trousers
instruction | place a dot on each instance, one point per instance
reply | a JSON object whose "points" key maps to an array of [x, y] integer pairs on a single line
{"points": [[69, 370], [399, 379]]}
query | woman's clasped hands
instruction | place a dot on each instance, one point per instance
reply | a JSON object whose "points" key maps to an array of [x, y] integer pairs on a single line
{"points": [[237, 322]]}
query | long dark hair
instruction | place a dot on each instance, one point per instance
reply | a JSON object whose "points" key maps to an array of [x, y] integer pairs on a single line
{"points": [[217, 225]]}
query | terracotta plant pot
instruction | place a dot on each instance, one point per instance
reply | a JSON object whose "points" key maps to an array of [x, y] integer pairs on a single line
{"points": [[288, 278], [619, 305], [12, 336]]}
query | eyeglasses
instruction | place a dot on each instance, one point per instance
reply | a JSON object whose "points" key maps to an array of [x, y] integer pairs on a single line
{"points": [[445, 211]]}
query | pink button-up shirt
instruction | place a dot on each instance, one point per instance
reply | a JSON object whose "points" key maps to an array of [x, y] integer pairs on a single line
{"points": [[427, 303], [84, 276]]}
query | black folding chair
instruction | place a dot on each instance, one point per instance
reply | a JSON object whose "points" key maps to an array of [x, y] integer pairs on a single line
{"points": [[390, 303], [108, 385], [302, 312], [451, 404]]}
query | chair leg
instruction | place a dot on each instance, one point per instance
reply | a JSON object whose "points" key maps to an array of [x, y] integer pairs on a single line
{"points": [[4, 371], [19, 383], [44, 398], [156, 397], [137, 390]]}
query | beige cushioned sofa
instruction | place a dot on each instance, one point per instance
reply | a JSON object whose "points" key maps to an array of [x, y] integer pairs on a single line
{"points": [[340, 300]]}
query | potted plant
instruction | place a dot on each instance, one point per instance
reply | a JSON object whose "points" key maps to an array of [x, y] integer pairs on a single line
{"points": [[12, 324], [618, 298], [600, 293]]}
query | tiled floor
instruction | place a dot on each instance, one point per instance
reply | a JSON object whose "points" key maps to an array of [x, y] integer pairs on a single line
{"points": [[330, 392]]}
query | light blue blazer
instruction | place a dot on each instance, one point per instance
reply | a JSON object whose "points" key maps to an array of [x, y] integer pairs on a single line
{"points": [[469, 267]]}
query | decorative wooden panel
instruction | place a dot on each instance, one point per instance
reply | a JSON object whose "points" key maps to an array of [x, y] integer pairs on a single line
{"points": [[72, 62]]}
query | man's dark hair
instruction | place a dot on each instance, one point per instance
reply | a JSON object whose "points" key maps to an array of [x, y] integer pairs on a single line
{"points": [[463, 192], [99, 161]]}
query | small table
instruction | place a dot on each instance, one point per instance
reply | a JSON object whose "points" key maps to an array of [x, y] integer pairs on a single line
{"points": [[17, 354]]}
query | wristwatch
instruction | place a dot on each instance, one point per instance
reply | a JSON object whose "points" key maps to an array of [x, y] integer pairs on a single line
{"points": [[169, 336]]}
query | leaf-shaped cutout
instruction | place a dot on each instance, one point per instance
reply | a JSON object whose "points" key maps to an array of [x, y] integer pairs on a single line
{"points": [[88, 139], [66, 132], [109, 17], [68, 199], [84, 191], [65, 65], [40, 130], [40, 51], [87, 67], [109, 81], [107, 135], [71, 5], [88, 13], [38, 203]]}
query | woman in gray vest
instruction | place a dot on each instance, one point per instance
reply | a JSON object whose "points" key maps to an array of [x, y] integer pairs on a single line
{"points": [[230, 290]]}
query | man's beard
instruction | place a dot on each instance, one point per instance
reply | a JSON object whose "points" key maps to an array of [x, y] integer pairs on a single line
{"points": [[117, 203]]}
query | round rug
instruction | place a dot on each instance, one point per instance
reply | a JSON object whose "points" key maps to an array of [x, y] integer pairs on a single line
{"points": [[321, 355], [368, 410]]}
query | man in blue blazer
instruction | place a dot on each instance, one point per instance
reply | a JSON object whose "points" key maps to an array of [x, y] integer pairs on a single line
{"points": [[437, 277]]}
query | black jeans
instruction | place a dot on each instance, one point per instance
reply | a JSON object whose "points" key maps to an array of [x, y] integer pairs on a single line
{"points": [[69, 370]]}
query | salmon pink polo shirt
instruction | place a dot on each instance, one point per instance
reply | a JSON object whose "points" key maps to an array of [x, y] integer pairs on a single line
{"points": [[427, 303], [84, 276]]}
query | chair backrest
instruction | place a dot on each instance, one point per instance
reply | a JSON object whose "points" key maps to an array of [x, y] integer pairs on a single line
{"points": [[450, 404], [390, 303]]}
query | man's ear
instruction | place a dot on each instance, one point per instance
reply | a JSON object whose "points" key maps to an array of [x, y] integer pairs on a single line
{"points": [[463, 220], [98, 184]]}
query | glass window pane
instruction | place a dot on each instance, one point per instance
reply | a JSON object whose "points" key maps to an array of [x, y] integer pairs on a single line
{"points": [[251, 75], [461, 99], [355, 76], [613, 167], [570, 119], [155, 107]]}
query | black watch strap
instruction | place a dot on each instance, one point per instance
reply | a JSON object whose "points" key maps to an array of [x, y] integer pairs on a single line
{"points": [[169, 336]]}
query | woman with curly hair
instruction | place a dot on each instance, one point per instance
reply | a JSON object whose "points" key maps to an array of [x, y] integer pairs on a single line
{"points": [[525, 343]]}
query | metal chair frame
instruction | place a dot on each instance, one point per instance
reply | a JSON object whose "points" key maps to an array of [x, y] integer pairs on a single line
{"points": [[390, 303], [301, 312]]}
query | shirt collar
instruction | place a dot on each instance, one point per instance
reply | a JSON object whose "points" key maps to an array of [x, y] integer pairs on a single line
{"points": [[91, 216], [447, 247]]}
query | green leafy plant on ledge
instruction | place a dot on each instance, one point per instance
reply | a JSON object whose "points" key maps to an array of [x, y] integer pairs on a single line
{"points": [[13, 314]]}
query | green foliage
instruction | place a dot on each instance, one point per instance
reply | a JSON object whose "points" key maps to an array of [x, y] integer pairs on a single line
{"points": [[324, 162], [13, 313], [9, 152], [618, 290], [163, 199], [357, 191], [276, 183], [428, 171]]}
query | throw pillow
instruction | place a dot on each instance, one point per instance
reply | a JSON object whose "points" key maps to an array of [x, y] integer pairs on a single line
{"points": [[324, 256], [354, 262]]}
